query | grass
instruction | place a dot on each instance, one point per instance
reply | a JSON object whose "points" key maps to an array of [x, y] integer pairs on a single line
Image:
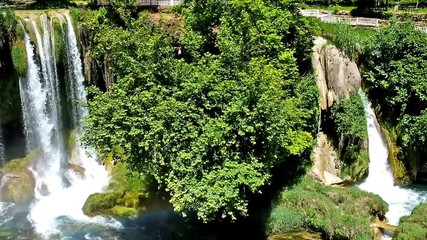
{"points": [[347, 38]]}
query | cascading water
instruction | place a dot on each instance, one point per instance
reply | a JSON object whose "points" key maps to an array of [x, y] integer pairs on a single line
{"points": [[75, 72], [60, 191], [380, 179], [38, 118], [2, 151]]}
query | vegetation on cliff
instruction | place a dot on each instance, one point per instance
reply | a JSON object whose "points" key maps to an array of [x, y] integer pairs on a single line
{"points": [[209, 113], [9, 97], [349, 120]]}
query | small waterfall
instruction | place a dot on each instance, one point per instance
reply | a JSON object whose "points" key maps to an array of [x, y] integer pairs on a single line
{"points": [[2, 148], [380, 179], [60, 190]]}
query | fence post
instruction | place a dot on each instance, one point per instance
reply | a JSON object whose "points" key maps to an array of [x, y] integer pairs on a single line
{"points": [[357, 21]]}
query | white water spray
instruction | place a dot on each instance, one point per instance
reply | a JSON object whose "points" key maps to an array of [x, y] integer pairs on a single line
{"points": [[380, 179], [34, 94]]}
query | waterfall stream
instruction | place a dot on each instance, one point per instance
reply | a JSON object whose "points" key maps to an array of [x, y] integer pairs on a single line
{"points": [[401, 200], [60, 190]]}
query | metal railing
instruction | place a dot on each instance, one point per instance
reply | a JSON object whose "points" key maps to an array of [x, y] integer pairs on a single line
{"points": [[354, 21], [329, 17], [147, 2]]}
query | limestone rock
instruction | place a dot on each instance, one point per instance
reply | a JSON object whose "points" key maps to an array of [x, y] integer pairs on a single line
{"points": [[17, 186], [337, 75], [326, 168]]}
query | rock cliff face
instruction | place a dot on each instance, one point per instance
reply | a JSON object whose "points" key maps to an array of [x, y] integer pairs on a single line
{"points": [[326, 164], [338, 76]]}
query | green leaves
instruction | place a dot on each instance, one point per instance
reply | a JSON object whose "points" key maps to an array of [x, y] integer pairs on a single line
{"points": [[349, 117]]}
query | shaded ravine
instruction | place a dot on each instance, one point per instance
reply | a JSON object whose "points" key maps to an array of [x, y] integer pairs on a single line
{"points": [[401, 200]]}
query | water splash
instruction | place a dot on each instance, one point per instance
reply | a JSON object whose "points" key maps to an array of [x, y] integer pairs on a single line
{"points": [[380, 180]]}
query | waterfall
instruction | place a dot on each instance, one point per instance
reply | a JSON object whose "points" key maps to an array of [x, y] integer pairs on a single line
{"points": [[2, 151], [77, 89], [380, 180], [60, 191]]}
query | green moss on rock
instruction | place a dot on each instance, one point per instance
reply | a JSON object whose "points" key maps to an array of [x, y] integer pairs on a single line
{"points": [[413, 227], [60, 48], [338, 213], [124, 211], [101, 203], [19, 182], [400, 172], [19, 54], [359, 169], [128, 192]]}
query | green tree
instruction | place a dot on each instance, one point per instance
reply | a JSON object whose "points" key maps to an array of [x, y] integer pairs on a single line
{"points": [[211, 126]]}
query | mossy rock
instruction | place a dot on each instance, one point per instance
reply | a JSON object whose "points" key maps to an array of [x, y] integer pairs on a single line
{"points": [[359, 169], [60, 48], [124, 211], [101, 203], [400, 172], [337, 213], [112, 204], [19, 54], [18, 181], [413, 227]]}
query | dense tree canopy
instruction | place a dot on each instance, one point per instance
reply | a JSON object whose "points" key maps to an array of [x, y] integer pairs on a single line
{"points": [[208, 123]]}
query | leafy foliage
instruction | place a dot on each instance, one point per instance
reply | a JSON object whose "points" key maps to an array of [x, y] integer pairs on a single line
{"points": [[349, 119], [209, 124]]}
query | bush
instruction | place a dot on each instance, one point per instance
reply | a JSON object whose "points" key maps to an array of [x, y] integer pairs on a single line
{"points": [[336, 212]]}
